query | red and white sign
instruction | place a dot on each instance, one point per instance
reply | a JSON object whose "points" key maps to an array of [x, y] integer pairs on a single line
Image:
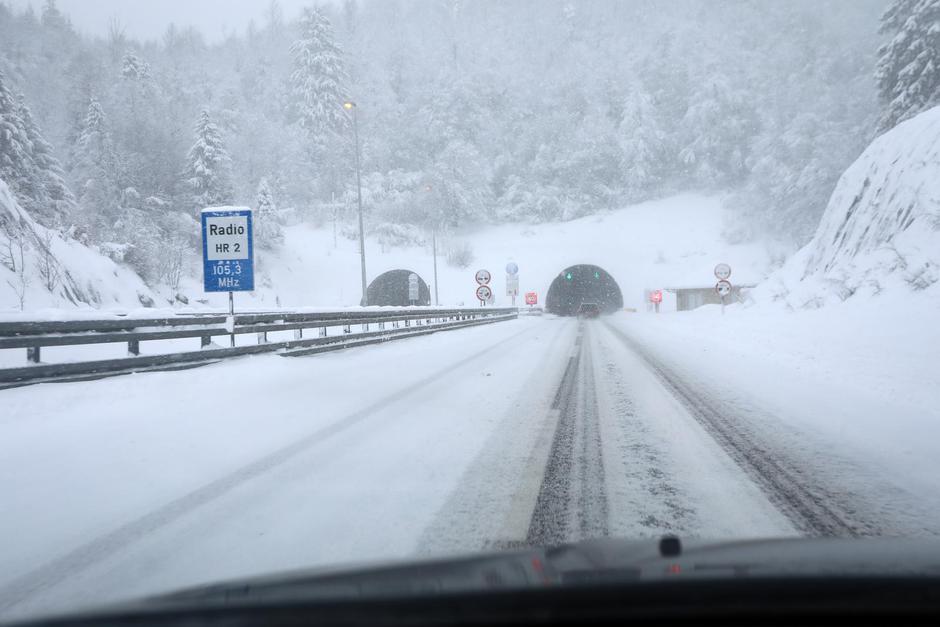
{"points": [[723, 288], [531, 298], [483, 277], [484, 293], [656, 296]]}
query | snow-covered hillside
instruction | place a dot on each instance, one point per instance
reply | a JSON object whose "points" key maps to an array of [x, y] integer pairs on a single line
{"points": [[674, 241], [40, 269], [881, 230]]}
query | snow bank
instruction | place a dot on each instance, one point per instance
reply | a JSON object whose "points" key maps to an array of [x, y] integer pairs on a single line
{"points": [[881, 229], [80, 277]]}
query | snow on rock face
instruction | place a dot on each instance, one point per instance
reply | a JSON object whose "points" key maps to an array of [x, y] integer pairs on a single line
{"points": [[881, 228], [39, 268]]}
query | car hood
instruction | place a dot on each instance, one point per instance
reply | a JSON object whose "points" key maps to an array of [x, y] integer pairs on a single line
{"points": [[601, 561]]}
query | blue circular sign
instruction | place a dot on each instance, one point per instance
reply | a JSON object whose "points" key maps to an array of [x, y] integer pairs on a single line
{"points": [[512, 268]]}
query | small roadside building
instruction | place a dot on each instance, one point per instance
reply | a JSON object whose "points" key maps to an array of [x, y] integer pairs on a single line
{"points": [[689, 298]]}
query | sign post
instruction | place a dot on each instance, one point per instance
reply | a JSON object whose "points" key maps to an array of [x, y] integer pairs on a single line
{"points": [[656, 297], [413, 288], [512, 287], [723, 286], [512, 281], [228, 253], [484, 291], [484, 294]]}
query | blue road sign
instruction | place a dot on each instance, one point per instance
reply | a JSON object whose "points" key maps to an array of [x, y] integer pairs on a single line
{"points": [[227, 250]]}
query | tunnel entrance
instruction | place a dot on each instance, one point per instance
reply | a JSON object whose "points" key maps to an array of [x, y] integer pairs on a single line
{"points": [[583, 283], [390, 289]]}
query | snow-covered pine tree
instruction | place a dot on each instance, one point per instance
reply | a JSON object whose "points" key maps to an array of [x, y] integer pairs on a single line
{"points": [[718, 129], [641, 139], [96, 173], [133, 67], [208, 166], [266, 227], [16, 167], [52, 17], [27, 162], [908, 71], [54, 199], [318, 79]]}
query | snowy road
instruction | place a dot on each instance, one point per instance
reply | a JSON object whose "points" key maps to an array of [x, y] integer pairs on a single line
{"points": [[537, 430]]}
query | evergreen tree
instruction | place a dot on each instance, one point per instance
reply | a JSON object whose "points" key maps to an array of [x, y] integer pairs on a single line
{"points": [[318, 80], [266, 227], [718, 127], [96, 172], [28, 164], [53, 18], [641, 142], [208, 166], [908, 71], [15, 161], [54, 200]]}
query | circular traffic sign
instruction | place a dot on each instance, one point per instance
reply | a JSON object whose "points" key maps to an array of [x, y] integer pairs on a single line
{"points": [[483, 277], [722, 272], [484, 293], [412, 278], [723, 288], [512, 268]]}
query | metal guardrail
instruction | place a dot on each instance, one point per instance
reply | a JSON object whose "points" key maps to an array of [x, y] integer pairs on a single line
{"points": [[388, 325]]}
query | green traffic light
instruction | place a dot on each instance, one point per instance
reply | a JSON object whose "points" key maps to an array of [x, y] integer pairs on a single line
{"points": [[597, 275], [568, 276]]}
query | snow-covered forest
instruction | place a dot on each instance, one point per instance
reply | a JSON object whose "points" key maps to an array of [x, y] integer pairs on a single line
{"points": [[468, 112]]}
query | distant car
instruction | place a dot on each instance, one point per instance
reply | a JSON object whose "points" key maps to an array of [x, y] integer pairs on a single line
{"points": [[589, 310]]}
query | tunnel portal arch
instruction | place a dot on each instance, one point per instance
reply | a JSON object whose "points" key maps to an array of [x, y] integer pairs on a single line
{"points": [[583, 283], [390, 289]]}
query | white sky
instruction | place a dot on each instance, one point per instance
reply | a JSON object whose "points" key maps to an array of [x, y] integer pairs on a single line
{"points": [[148, 19]]}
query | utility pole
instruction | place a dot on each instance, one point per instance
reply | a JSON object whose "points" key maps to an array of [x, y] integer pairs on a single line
{"points": [[349, 105]]}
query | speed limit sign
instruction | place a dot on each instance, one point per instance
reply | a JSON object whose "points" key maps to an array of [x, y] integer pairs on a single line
{"points": [[484, 293]]}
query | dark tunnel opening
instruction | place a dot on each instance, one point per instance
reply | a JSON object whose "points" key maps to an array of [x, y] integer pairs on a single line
{"points": [[390, 289], [583, 283]]}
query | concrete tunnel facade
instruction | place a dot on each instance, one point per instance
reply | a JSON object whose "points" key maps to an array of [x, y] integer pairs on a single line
{"points": [[583, 283], [390, 289]]}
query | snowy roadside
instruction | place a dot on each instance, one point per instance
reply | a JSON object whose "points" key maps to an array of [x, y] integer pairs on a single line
{"points": [[857, 384]]}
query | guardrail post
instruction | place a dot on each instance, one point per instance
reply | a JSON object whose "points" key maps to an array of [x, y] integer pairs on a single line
{"points": [[347, 328], [32, 354], [133, 347], [407, 323], [204, 341], [298, 334], [365, 327], [322, 331], [263, 337], [381, 326], [395, 324]]}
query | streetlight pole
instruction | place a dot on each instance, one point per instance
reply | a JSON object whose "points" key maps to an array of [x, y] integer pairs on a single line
{"points": [[349, 105], [428, 188], [434, 248]]}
